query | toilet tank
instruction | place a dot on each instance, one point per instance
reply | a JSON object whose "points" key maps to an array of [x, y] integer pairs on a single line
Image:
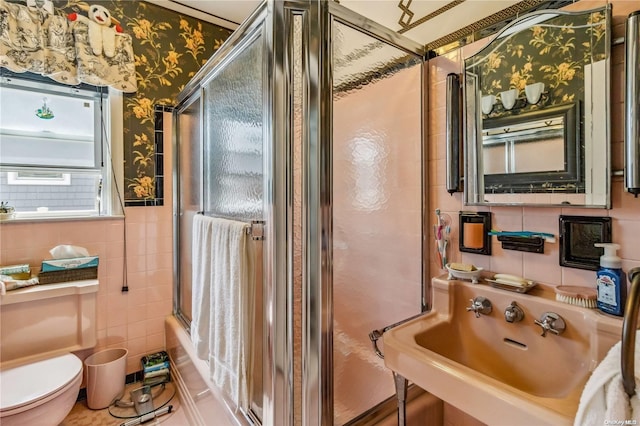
{"points": [[46, 320]]}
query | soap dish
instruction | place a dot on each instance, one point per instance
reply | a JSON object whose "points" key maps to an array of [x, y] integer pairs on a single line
{"points": [[465, 275], [509, 286]]}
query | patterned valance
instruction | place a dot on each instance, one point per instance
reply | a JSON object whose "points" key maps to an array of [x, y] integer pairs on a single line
{"points": [[33, 38]]}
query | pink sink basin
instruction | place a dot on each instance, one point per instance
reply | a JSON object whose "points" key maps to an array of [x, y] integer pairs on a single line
{"points": [[496, 371]]}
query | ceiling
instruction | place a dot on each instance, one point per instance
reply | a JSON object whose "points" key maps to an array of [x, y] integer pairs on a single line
{"points": [[424, 21]]}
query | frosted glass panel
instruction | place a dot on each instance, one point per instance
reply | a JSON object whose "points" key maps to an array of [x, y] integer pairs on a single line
{"points": [[234, 137], [377, 200]]}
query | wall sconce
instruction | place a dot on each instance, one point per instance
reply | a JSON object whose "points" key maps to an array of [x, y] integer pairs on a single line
{"points": [[486, 103], [509, 98], [632, 103], [453, 133], [533, 92]]}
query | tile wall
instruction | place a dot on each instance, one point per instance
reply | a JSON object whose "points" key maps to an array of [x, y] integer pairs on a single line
{"points": [[625, 212], [135, 319]]}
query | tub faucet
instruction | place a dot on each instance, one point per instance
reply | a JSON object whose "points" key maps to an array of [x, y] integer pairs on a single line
{"points": [[629, 325], [480, 305]]}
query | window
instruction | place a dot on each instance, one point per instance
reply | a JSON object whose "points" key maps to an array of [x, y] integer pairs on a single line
{"points": [[54, 152]]}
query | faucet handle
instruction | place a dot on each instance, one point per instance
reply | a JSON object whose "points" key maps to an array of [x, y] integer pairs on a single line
{"points": [[550, 321], [513, 313], [480, 305]]}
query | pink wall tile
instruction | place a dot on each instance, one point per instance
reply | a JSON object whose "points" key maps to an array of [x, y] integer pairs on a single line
{"points": [[155, 325], [115, 231], [154, 342], [137, 295], [136, 329], [122, 318], [625, 205], [629, 247], [572, 276], [116, 336], [137, 280]]}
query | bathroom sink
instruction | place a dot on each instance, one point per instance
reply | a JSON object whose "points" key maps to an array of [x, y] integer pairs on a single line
{"points": [[497, 371]]}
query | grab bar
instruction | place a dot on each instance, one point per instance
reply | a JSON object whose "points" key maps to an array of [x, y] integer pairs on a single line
{"points": [[376, 334], [629, 326]]}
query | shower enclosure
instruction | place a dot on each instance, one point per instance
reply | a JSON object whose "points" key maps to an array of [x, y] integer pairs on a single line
{"points": [[309, 119]]}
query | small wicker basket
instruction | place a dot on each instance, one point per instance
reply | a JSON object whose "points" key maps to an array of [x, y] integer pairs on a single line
{"points": [[68, 275]]}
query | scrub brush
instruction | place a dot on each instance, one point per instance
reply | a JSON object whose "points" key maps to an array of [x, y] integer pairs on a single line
{"points": [[578, 296]]}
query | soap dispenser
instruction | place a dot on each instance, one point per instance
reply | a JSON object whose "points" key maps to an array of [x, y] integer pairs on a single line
{"points": [[611, 281]]}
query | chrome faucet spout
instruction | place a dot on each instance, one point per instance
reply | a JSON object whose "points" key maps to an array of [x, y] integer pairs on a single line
{"points": [[629, 326]]}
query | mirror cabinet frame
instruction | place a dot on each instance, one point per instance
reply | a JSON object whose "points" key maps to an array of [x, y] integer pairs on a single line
{"points": [[576, 130]]}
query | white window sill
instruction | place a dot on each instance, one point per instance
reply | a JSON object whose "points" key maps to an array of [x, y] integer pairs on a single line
{"points": [[57, 217]]}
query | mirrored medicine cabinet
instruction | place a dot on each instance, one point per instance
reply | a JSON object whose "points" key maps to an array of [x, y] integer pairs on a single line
{"points": [[536, 112]]}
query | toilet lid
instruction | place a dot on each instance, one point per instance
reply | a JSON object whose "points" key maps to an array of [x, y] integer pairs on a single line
{"points": [[30, 382]]}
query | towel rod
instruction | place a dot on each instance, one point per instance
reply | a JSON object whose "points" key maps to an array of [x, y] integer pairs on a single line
{"points": [[255, 228], [629, 325]]}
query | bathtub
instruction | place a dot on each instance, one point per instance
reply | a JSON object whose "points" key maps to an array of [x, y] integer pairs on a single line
{"points": [[202, 401]]}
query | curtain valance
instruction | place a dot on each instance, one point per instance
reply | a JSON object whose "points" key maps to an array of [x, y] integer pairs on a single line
{"points": [[34, 38]]}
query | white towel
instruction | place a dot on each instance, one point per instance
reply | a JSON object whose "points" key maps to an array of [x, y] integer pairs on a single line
{"points": [[222, 302], [603, 399], [201, 283]]}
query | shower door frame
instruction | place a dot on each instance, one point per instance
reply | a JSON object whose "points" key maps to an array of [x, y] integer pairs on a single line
{"points": [[277, 333], [317, 307], [194, 97]]}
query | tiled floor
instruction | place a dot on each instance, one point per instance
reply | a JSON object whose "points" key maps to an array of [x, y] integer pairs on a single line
{"points": [[81, 415]]}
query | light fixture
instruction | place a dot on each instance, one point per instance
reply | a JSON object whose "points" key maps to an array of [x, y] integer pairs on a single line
{"points": [[509, 98], [44, 111], [534, 92], [487, 103], [631, 103], [453, 133]]}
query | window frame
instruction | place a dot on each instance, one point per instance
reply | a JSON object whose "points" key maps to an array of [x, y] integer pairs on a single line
{"points": [[108, 114]]}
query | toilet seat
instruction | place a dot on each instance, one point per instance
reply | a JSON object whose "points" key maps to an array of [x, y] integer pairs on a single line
{"points": [[30, 385]]}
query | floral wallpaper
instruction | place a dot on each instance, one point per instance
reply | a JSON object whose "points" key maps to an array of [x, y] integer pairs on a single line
{"points": [[554, 53], [169, 48]]}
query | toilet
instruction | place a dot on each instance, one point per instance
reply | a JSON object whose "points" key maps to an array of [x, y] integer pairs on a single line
{"points": [[39, 327]]}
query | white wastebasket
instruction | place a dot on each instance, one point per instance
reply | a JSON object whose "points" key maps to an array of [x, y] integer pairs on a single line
{"points": [[106, 377]]}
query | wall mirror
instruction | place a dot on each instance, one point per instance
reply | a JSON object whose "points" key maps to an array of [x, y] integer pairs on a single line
{"points": [[537, 112]]}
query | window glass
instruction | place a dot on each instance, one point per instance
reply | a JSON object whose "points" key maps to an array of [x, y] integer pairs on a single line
{"points": [[51, 148], [47, 129]]}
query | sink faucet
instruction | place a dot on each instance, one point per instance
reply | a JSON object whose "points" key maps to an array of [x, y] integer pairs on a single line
{"points": [[629, 324], [550, 321], [480, 305]]}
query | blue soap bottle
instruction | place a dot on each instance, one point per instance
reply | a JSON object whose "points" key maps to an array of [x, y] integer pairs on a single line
{"points": [[611, 281]]}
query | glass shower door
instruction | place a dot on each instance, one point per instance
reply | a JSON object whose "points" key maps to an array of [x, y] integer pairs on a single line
{"points": [[377, 208], [233, 166]]}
